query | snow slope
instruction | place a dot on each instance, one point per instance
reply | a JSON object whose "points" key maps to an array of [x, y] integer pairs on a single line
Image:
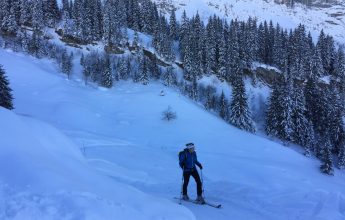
{"points": [[331, 19], [128, 168], [43, 174]]}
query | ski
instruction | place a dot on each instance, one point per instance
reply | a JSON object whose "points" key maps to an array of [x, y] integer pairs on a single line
{"points": [[213, 205], [196, 202]]}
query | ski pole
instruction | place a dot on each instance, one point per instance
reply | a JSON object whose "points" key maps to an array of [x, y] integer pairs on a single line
{"points": [[181, 188], [202, 184]]}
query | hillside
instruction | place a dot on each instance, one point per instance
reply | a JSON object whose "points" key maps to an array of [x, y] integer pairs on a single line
{"points": [[106, 153], [331, 18]]}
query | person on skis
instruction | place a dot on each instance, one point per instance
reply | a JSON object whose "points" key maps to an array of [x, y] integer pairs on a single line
{"points": [[187, 161]]}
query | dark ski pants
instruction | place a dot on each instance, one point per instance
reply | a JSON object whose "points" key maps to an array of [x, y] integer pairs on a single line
{"points": [[186, 175]]}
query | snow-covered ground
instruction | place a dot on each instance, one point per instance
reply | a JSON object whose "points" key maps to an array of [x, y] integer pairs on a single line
{"points": [[331, 19], [77, 152]]}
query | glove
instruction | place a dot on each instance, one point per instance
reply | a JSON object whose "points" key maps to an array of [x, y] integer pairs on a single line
{"points": [[200, 166], [182, 166]]}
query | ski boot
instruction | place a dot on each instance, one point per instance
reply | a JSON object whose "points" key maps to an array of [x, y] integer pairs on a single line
{"points": [[185, 198], [200, 200]]}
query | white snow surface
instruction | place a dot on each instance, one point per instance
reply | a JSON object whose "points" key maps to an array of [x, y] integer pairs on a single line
{"points": [[331, 19], [70, 151]]}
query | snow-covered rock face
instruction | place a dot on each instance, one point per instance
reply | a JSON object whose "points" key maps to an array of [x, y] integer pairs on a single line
{"points": [[329, 18]]}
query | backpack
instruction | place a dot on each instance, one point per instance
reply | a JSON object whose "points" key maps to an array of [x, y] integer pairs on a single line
{"points": [[180, 154]]}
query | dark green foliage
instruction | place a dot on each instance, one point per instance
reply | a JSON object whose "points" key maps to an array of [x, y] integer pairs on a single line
{"points": [[5, 91], [66, 63], [327, 165], [107, 80], [169, 77], [240, 115], [223, 107]]}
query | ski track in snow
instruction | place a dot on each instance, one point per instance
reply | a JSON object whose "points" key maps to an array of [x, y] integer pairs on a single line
{"points": [[120, 133]]}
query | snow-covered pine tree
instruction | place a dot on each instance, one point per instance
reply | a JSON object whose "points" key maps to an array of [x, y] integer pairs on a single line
{"points": [[234, 55], [183, 34], [270, 38], [135, 42], [240, 115], [279, 113], [341, 157], [66, 9], [196, 40], [66, 63], [143, 76], [211, 47], [286, 103], [51, 12], [223, 107], [9, 23], [303, 132], [194, 91], [123, 68], [37, 16], [133, 15], [173, 26], [273, 116], [169, 77], [34, 45], [278, 49], [6, 98], [210, 98], [153, 68], [315, 100], [335, 121], [223, 59], [107, 79], [340, 71], [327, 166], [188, 64], [25, 12], [109, 24], [260, 43], [252, 41]]}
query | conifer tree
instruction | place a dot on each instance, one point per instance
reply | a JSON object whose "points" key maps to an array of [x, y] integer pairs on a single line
{"points": [[210, 98], [170, 77], [327, 166], [25, 12], [335, 109], [124, 68], [240, 115], [341, 157], [51, 12], [142, 71], [37, 16], [6, 98], [9, 23], [223, 59], [66, 63], [184, 34], [303, 132], [107, 80], [273, 116], [223, 107], [173, 25], [279, 114]]}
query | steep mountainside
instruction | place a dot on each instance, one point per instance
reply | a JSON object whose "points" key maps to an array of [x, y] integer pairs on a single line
{"points": [[331, 18]]}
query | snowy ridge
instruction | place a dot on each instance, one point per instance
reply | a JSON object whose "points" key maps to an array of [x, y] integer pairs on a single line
{"points": [[331, 19], [97, 159]]}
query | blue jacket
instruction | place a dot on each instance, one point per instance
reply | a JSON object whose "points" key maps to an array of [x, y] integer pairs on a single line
{"points": [[188, 160]]}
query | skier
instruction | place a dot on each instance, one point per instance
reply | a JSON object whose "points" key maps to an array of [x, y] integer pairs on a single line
{"points": [[188, 160]]}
